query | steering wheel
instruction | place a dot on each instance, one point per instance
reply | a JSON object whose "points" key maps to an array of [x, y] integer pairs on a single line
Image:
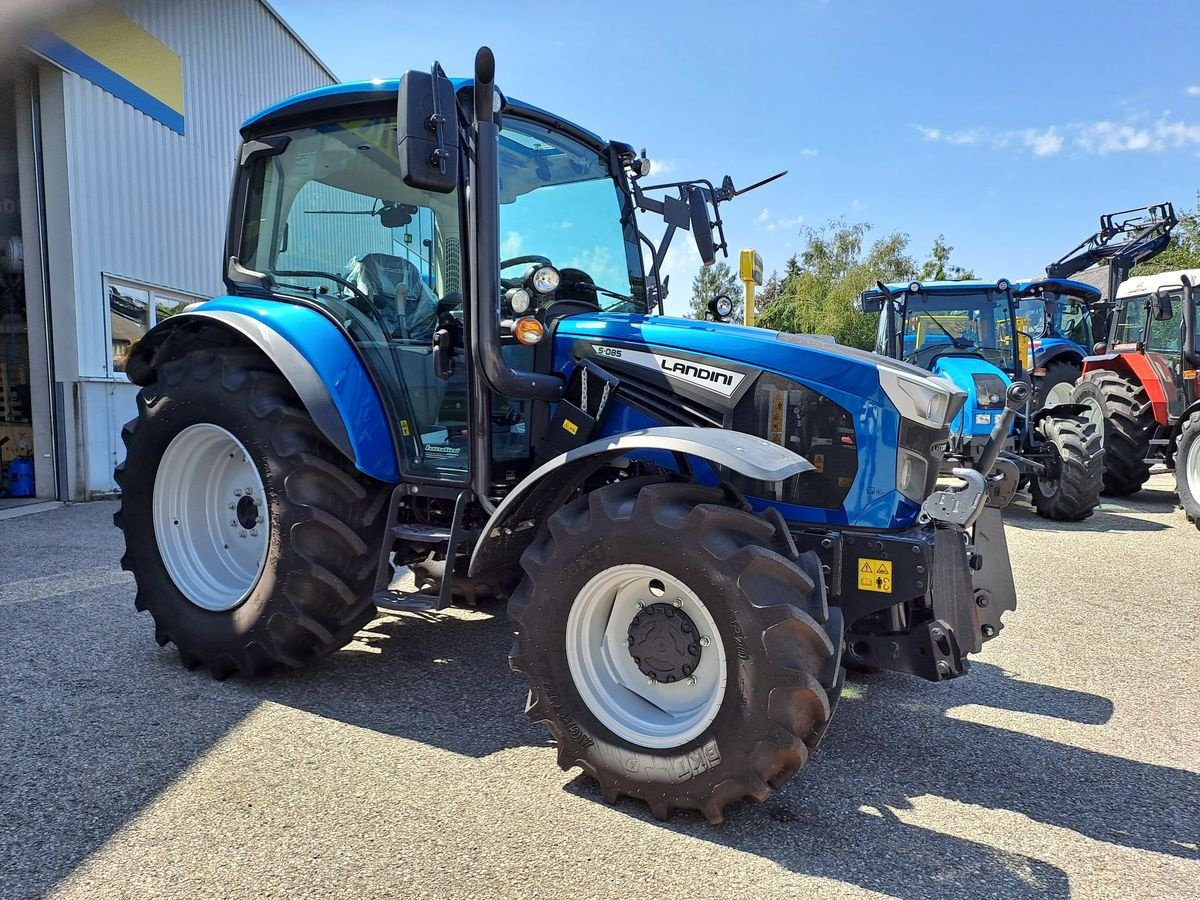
{"points": [[359, 301], [519, 260]]}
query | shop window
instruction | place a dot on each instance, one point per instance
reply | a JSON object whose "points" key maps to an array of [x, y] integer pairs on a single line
{"points": [[133, 309]]}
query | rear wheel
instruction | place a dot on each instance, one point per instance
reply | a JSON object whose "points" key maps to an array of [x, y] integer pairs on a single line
{"points": [[678, 649], [1057, 385], [1122, 408], [1069, 490], [253, 541], [1187, 467]]}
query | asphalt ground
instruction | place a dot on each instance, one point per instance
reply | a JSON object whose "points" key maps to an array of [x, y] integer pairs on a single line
{"points": [[1066, 763]]}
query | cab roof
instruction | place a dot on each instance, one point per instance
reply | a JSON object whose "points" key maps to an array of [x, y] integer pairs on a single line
{"points": [[1148, 284], [1062, 285], [354, 93]]}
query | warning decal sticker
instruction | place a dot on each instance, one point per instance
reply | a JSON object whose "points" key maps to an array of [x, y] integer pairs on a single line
{"points": [[875, 575]]}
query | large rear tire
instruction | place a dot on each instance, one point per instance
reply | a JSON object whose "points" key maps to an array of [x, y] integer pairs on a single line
{"points": [[1070, 490], [252, 540], [678, 649], [1187, 467], [1128, 421]]}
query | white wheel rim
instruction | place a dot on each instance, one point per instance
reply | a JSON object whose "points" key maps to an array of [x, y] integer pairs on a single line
{"points": [[1192, 469], [210, 517], [1060, 393], [1093, 413], [651, 714]]}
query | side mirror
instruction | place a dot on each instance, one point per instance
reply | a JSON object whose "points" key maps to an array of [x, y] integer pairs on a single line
{"points": [[867, 302], [1099, 348], [1161, 306], [427, 143], [702, 230]]}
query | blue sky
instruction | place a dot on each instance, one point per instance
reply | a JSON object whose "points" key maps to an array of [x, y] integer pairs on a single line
{"points": [[1006, 126]]}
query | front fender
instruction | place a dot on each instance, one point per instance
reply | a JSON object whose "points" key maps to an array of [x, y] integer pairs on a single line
{"points": [[515, 522], [315, 357]]}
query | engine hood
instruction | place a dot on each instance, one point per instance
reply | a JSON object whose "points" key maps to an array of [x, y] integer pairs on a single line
{"points": [[985, 386], [720, 359]]}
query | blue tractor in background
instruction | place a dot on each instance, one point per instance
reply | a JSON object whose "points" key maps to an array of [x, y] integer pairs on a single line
{"points": [[441, 374], [1056, 316], [969, 333]]}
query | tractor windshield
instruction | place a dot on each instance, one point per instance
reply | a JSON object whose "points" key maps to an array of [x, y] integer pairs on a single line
{"points": [[1055, 315], [958, 324], [560, 205]]}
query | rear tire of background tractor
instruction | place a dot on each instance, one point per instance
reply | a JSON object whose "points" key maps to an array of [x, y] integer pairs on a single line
{"points": [[742, 618], [1128, 426], [1075, 493], [1187, 467], [320, 520], [1057, 384]]}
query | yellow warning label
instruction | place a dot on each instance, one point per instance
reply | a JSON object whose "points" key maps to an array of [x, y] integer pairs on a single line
{"points": [[404, 428], [570, 426], [818, 462], [875, 575]]}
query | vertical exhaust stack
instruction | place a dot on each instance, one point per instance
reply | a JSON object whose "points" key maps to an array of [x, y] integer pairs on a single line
{"points": [[485, 258]]}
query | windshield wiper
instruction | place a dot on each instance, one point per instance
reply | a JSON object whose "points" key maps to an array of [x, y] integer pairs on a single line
{"points": [[946, 331]]}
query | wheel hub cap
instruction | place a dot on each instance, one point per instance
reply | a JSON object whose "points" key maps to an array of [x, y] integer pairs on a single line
{"points": [[664, 643]]}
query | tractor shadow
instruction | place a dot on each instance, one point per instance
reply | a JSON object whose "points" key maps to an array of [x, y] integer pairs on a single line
{"points": [[892, 742], [1117, 515]]}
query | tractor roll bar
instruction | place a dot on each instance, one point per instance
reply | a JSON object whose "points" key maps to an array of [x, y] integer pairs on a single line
{"points": [[484, 209]]}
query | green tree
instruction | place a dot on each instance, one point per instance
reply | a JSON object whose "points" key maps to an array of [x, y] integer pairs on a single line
{"points": [[1184, 250], [713, 281], [834, 268], [939, 268]]}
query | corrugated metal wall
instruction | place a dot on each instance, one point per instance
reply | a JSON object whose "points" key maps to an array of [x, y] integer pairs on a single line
{"points": [[150, 205]]}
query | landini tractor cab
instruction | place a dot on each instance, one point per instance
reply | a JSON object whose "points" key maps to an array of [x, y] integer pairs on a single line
{"points": [[1142, 386], [438, 360], [968, 332]]}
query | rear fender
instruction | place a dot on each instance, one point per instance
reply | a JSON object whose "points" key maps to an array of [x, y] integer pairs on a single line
{"points": [[314, 356], [514, 524]]}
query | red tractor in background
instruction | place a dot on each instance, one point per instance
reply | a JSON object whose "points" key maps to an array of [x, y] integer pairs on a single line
{"points": [[1143, 386]]}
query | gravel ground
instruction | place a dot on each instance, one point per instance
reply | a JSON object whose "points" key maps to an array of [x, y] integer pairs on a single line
{"points": [[1067, 763]]}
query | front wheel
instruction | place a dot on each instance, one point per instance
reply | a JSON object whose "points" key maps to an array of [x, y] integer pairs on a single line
{"points": [[678, 649], [1057, 385], [1187, 467], [1069, 489]]}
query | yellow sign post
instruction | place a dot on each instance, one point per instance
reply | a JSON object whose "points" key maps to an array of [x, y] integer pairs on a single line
{"points": [[750, 266]]}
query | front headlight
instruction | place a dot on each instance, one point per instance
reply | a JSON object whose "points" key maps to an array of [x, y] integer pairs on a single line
{"points": [[930, 400]]}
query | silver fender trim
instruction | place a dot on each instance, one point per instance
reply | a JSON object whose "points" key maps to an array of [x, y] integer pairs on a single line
{"points": [[508, 530]]}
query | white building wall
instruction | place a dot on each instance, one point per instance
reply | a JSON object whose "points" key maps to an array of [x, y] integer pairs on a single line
{"points": [[150, 205]]}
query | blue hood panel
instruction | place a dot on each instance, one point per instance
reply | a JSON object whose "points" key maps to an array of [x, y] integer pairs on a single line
{"points": [[847, 376], [978, 413]]}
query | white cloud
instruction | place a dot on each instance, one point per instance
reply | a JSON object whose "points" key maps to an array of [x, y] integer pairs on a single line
{"points": [[511, 245], [808, 151], [764, 216], [660, 167], [1136, 134], [1042, 143], [1193, 90], [786, 222]]}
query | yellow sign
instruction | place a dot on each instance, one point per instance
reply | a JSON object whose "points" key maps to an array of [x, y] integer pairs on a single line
{"points": [[750, 266], [570, 426], [875, 575]]}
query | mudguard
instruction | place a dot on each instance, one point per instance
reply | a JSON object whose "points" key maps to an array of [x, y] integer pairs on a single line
{"points": [[514, 523], [1059, 410], [316, 359]]}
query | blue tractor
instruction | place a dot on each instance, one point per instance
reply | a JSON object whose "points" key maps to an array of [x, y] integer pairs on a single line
{"points": [[1056, 315], [969, 332], [439, 376]]}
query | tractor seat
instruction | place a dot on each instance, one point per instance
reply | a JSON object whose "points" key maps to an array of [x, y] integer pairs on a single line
{"points": [[396, 288]]}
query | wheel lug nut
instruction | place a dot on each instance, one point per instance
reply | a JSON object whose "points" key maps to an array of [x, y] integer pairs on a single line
{"points": [[691, 681], [651, 680], [629, 641], [641, 605], [678, 603], [241, 534], [253, 532], [237, 492], [232, 506], [705, 640], [233, 523]]}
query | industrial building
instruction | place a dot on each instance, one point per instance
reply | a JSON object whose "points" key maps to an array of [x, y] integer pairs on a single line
{"points": [[118, 136]]}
